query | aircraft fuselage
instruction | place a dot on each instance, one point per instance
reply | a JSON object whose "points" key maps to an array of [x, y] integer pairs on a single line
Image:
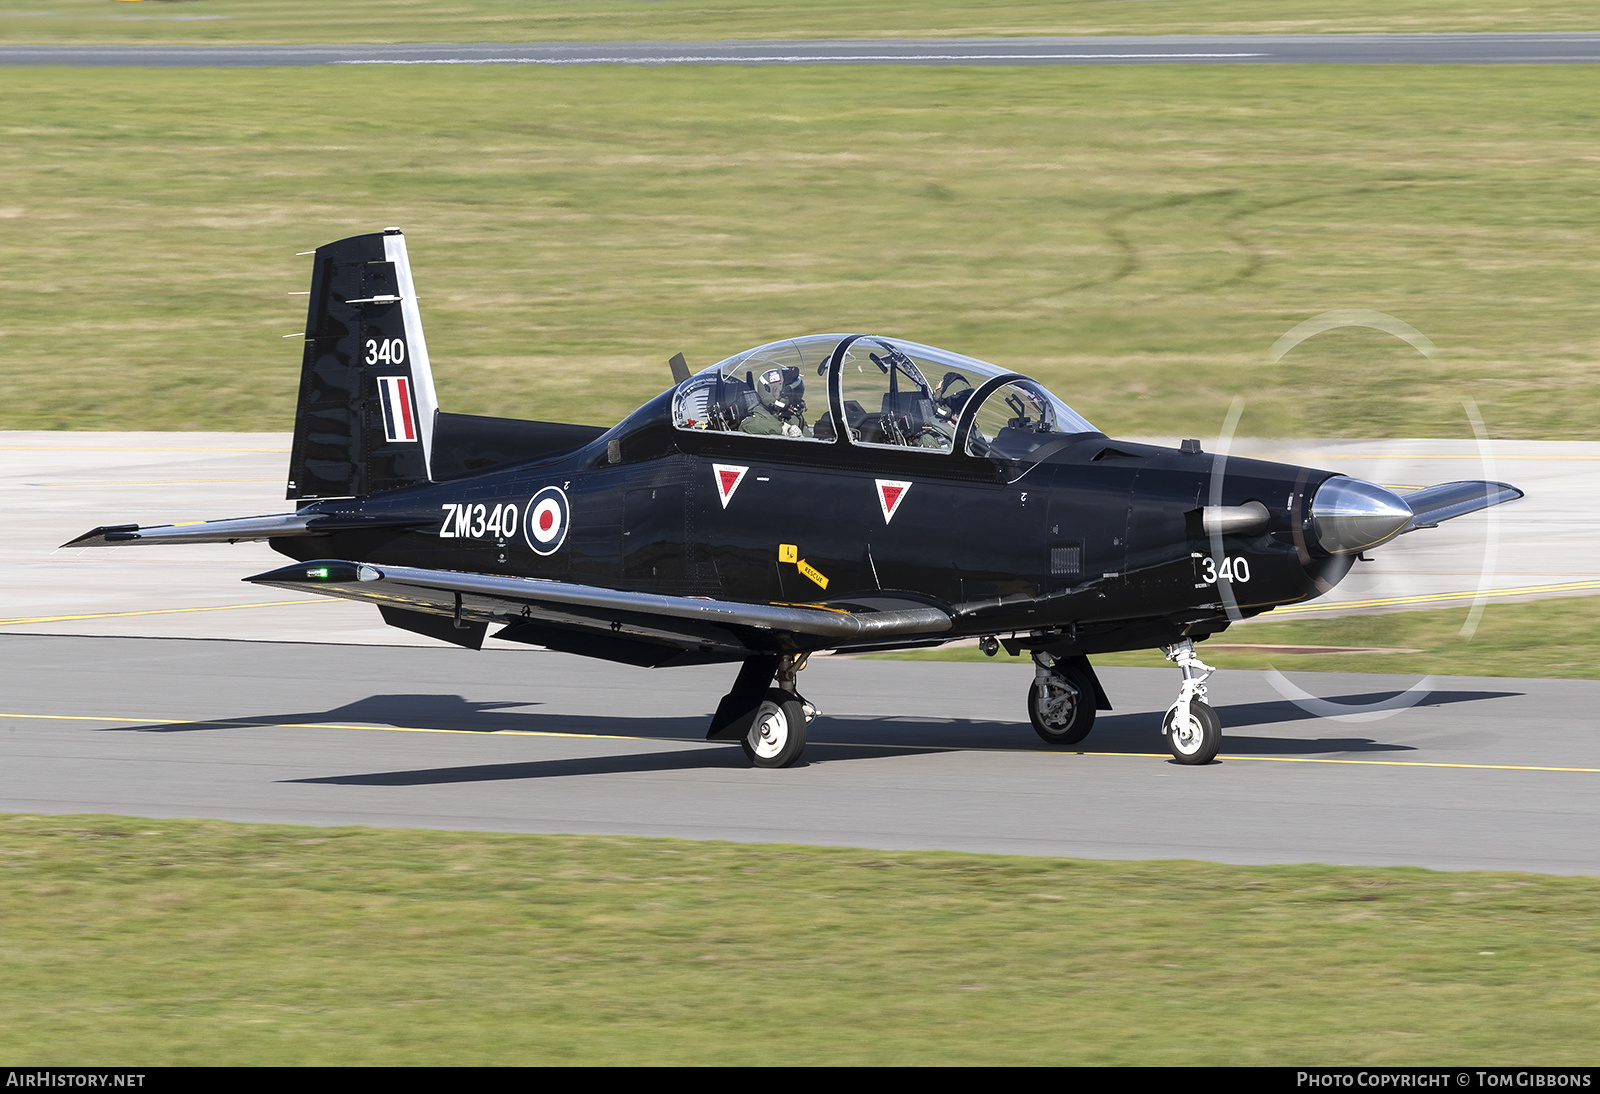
{"points": [[1102, 536]]}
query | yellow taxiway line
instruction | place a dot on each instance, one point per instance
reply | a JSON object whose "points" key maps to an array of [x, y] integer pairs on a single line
{"points": [[1437, 598], [158, 611], [1359, 763], [828, 744], [128, 448], [334, 725]]}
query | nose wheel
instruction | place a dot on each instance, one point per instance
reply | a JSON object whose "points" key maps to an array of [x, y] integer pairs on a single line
{"points": [[1195, 739], [1192, 728]]}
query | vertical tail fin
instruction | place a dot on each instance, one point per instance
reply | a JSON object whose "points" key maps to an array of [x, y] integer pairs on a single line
{"points": [[365, 418]]}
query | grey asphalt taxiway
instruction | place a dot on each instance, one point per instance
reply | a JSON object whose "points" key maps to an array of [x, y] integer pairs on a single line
{"points": [[1480, 48], [1482, 773]]}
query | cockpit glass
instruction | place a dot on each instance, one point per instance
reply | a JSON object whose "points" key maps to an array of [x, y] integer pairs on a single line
{"points": [[777, 390], [895, 394], [1015, 420], [904, 395]]}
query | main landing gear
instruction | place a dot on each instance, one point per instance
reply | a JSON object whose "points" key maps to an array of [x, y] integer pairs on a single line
{"points": [[1192, 728], [777, 735], [769, 722], [1061, 702]]}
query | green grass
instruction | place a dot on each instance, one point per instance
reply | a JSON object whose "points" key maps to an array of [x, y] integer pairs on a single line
{"points": [[140, 942], [219, 21], [1137, 237], [1558, 638]]}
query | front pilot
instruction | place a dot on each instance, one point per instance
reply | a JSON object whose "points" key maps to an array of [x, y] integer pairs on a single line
{"points": [[782, 405]]}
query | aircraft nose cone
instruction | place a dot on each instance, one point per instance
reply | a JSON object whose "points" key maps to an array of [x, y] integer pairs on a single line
{"points": [[1352, 515]]}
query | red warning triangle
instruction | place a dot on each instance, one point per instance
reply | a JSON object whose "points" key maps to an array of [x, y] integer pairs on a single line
{"points": [[728, 479], [890, 494]]}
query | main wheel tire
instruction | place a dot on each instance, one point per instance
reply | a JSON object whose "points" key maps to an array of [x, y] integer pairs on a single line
{"points": [[1062, 710], [1196, 743], [777, 734]]}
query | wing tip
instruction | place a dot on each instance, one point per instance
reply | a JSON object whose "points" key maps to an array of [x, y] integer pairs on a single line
{"points": [[105, 536]]}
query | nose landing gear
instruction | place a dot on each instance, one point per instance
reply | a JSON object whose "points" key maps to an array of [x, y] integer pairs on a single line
{"points": [[1192, 728]]}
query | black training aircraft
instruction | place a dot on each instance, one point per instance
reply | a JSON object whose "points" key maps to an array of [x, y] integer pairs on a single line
{"points": [[831, 492]]}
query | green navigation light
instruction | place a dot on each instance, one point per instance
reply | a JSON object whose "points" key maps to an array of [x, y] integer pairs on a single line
{"points": [[320, 571]]}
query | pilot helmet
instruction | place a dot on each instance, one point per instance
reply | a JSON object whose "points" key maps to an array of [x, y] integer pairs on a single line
{"points": [[782, 390]]}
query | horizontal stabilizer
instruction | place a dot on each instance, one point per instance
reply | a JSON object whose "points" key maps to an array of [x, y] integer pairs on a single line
{"points": [[237, 530], [1448, 500], [683, 622]]}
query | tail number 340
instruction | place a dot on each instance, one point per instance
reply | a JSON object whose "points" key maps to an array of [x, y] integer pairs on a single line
{"points": [[387, 351]]}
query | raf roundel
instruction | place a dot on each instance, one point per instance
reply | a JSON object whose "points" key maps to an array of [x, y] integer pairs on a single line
{"points": [[544, 524]]}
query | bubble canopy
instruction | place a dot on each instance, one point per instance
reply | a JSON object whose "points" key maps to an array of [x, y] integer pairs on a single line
{"points": [[875, 392]]}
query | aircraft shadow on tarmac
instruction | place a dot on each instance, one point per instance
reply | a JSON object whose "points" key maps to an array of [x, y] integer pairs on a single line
{"points": [[831, 738], [710, 757]]}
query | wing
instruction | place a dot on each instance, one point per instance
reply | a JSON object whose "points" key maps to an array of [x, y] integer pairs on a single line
{"points": [[1448, 500], [633, 627]]}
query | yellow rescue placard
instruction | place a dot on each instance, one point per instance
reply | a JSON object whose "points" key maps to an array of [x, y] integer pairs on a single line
{"points": [[813, 573], [788, 552]]}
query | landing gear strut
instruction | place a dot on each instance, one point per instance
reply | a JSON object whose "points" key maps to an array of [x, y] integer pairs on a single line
{"points": [[769, 722], [1192, 728]]}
